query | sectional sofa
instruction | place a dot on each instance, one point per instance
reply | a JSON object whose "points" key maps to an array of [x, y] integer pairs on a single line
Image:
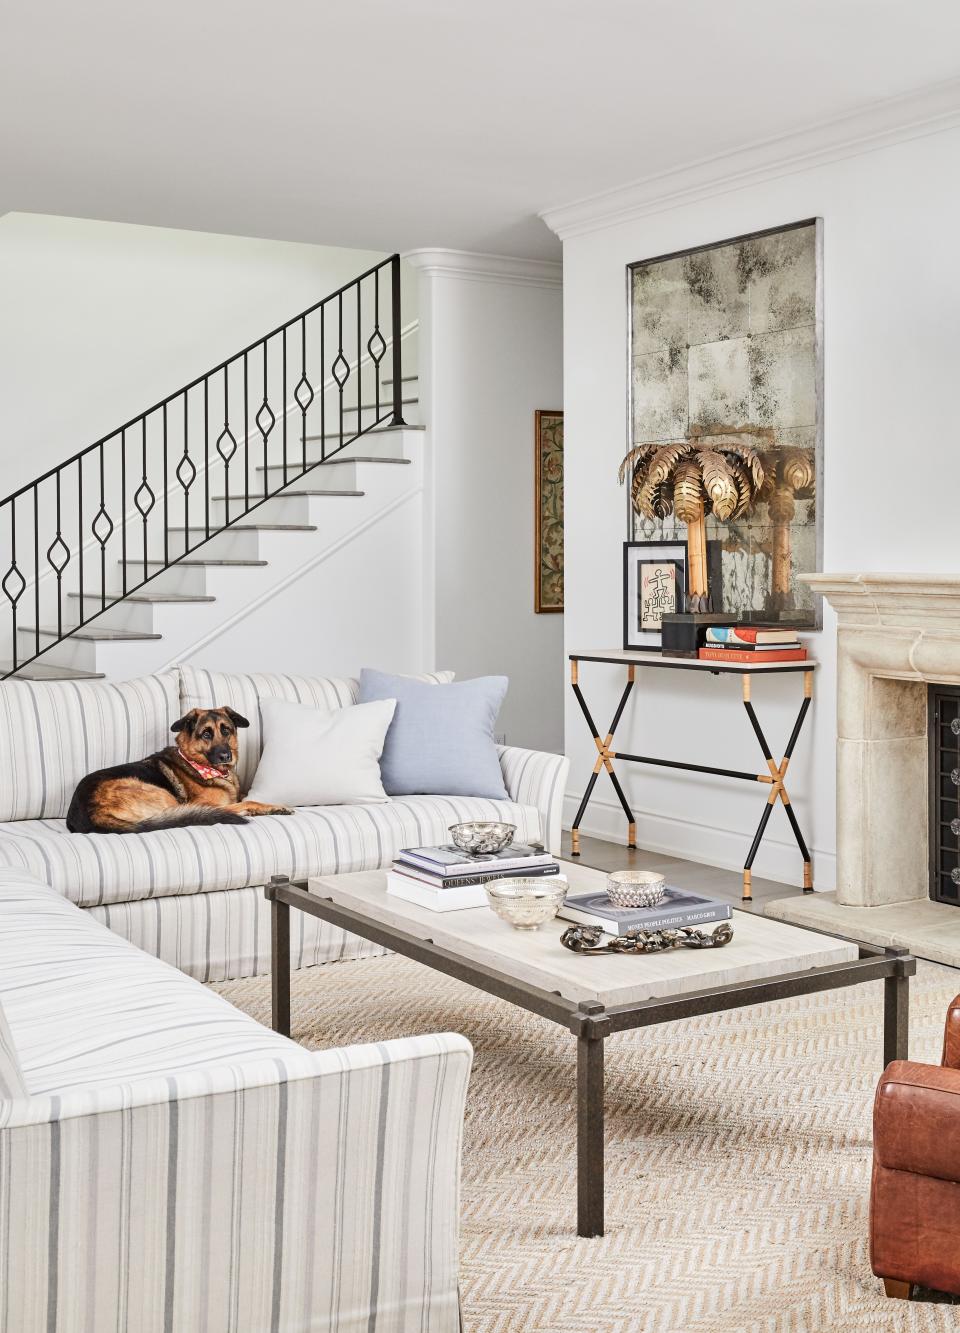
{"points": [[193, 896]]}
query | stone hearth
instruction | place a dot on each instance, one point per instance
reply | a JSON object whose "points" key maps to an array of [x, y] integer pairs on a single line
{"points": [[896, 634]]}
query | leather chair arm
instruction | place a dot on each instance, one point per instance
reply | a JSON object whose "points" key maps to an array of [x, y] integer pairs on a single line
{"points": [[916, 1120], [951, 1036]]}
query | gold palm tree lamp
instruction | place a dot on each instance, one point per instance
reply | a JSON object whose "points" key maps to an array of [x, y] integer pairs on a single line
{"points": [[721, 473]]}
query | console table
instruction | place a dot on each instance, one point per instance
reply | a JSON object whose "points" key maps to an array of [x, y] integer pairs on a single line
{"points": [[774, 777]]}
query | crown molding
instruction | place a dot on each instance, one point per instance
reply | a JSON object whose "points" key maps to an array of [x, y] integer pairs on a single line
{"points": [[474, 267], [879, 125]]}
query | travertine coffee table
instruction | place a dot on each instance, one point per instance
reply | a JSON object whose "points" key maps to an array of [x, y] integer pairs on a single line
{"points": [[592, 996]]}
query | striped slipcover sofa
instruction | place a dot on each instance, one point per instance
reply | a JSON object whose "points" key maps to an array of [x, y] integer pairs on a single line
{"points": [[167, 1165], [193, 896]]}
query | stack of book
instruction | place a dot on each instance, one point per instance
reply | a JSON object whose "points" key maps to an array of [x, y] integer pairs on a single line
{"points": [[676, 910], [445, 879], [740, 643]]}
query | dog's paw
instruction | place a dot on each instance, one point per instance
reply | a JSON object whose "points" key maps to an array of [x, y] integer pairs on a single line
{"points": [[284, 810]]}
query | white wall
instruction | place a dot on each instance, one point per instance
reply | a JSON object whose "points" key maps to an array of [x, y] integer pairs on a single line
{"points": [[490, 356], [99, 320], [892, 477]]}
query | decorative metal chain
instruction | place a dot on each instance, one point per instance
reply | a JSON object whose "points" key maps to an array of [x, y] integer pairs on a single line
{"points": [[586, 939]]}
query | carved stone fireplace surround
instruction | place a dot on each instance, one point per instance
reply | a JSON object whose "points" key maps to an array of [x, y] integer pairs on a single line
{"points": [[896, 634]]}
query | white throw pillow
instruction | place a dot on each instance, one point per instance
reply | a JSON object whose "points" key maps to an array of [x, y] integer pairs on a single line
{"points": [[315, 757]]}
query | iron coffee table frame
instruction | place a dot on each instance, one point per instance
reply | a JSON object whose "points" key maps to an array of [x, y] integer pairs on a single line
{"points": [[590, 1021]]}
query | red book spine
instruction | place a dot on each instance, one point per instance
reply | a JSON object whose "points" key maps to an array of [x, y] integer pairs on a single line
{"points": [[753, 659]]}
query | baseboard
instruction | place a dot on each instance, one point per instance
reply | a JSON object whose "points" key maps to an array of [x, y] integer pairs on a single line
{"points": [[777, 859]]}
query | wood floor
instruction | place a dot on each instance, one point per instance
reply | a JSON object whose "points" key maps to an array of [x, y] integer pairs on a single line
{"points": [[684, 874]]}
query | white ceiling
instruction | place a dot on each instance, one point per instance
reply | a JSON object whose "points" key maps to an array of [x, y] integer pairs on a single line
{"points": [[392, 124]]}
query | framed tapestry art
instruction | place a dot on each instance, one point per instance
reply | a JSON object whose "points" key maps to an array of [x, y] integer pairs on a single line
{"points": [[654, 579], [726, 416], [548, 513]]}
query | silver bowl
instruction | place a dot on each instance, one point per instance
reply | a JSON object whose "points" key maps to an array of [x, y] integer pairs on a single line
{"points": [[526, 901], [478, 836], [636, 888]]}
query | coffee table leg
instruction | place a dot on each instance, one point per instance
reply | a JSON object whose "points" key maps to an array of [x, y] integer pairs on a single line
{"points": [[280, 966], [589, 1136], [896, 1018]]}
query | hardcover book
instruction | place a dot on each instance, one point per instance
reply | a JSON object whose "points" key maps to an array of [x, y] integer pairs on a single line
{"points": [[717, 654], [448, 860], [677, 909]]}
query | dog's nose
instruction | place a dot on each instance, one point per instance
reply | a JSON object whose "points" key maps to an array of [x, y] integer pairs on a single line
{"points": [[221, 755]]}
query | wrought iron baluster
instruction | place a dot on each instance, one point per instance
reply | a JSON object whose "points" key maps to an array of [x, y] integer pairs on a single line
{"points": [[376, 355], [303, 393], [226, 443], [123, 510], [102, 529], [397, 353], [206, 456], [323, 383], [144, 498], [166, 494], [36, 568], [14, 583], [266, 421], [340, 370], [283, 401], [186, 474], [80, 535], [246, 438], [358, 424], [58, 556]]}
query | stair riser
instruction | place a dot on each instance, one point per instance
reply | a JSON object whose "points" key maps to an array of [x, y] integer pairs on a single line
{"points": [[140, 616], [233, 544], [178, 578], [320, 479], [378, 444], [79, 653], [282, 509]]}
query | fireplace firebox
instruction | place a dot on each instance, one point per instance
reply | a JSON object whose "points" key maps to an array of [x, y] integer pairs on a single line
{"points": [[944, 732]]}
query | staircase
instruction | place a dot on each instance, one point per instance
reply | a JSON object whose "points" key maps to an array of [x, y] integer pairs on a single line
{"points": [[141, 547]]}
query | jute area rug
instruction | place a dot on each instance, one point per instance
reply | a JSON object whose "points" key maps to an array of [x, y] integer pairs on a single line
{"points": [[738, 1155]]}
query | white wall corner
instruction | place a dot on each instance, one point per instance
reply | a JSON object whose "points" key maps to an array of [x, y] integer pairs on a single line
{"points": [[474, 267], [930, 110]]}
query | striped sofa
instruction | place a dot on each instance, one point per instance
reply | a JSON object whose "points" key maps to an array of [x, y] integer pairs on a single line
{"points": [[192, 896], [167, 1165]]}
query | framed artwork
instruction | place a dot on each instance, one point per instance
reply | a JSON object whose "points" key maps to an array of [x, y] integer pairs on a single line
{"points": [[654, 582], [725, 367], [548, 512]]}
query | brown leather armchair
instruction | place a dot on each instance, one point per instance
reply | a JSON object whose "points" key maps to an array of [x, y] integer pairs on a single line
{"points": [[915, 1194]]}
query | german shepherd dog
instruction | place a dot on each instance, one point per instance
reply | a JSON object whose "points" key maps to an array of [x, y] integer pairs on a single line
{"points": [[192, 782]]}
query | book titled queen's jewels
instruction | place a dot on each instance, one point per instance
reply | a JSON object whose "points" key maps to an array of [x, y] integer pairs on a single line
{"points": [[676, 909]]}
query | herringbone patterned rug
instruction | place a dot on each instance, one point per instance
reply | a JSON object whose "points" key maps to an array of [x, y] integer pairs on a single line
{"points": [[738, 1156]]}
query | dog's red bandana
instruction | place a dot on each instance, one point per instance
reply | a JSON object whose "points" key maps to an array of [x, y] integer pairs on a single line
{"points": [[204, 770]]}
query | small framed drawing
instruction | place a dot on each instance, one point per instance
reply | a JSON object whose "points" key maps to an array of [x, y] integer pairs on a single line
{"points": [[548, 513], [654, 583]]}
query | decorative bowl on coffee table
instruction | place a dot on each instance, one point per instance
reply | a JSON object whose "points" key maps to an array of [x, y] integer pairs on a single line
{"points": [[526, 901], [482, 836], [635, 888]]}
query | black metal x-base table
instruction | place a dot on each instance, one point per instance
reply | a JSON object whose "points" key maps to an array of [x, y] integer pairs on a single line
{"points": [[476, 948], [776, 773]]}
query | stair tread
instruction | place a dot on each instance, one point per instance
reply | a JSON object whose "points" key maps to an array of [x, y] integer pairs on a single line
{"points": [[95, 634], [254, 527], [404, 379], [287, 495], [41, 671], [372, 407], [379, 430], [147, 597], [172, 564], [333, 462]]}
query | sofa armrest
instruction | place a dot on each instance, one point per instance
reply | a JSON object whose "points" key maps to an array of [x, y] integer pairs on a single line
{"points": [[312, 1196], [534, 777], [916, 1120], [951, 1036]]}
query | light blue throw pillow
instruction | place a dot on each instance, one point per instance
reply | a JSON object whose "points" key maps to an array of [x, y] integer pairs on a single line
{"points": [[441, 738]]}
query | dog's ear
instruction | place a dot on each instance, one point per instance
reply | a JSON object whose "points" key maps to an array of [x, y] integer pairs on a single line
{"points": [[187, 722], [237, 719]]}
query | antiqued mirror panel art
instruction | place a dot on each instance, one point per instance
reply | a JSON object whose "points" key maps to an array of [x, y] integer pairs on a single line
{"points": [[725, 413]]}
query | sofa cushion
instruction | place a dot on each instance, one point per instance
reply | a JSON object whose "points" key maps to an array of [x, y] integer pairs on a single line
{"points": [[88, 1009], [95, 868], [53, 733], [11, 1075], [200, 688]]}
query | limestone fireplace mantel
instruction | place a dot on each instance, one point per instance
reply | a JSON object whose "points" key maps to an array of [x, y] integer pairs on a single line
{"points": [[896, 634]]}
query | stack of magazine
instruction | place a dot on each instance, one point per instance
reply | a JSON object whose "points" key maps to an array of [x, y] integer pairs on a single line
{"points": [[676, 909], [446, 879]]}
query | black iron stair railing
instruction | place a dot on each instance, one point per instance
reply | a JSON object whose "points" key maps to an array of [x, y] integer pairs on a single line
{"points": [[164, 483]]}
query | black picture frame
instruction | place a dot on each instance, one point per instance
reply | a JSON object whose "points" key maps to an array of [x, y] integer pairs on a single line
{"points": [[636, 554]]}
